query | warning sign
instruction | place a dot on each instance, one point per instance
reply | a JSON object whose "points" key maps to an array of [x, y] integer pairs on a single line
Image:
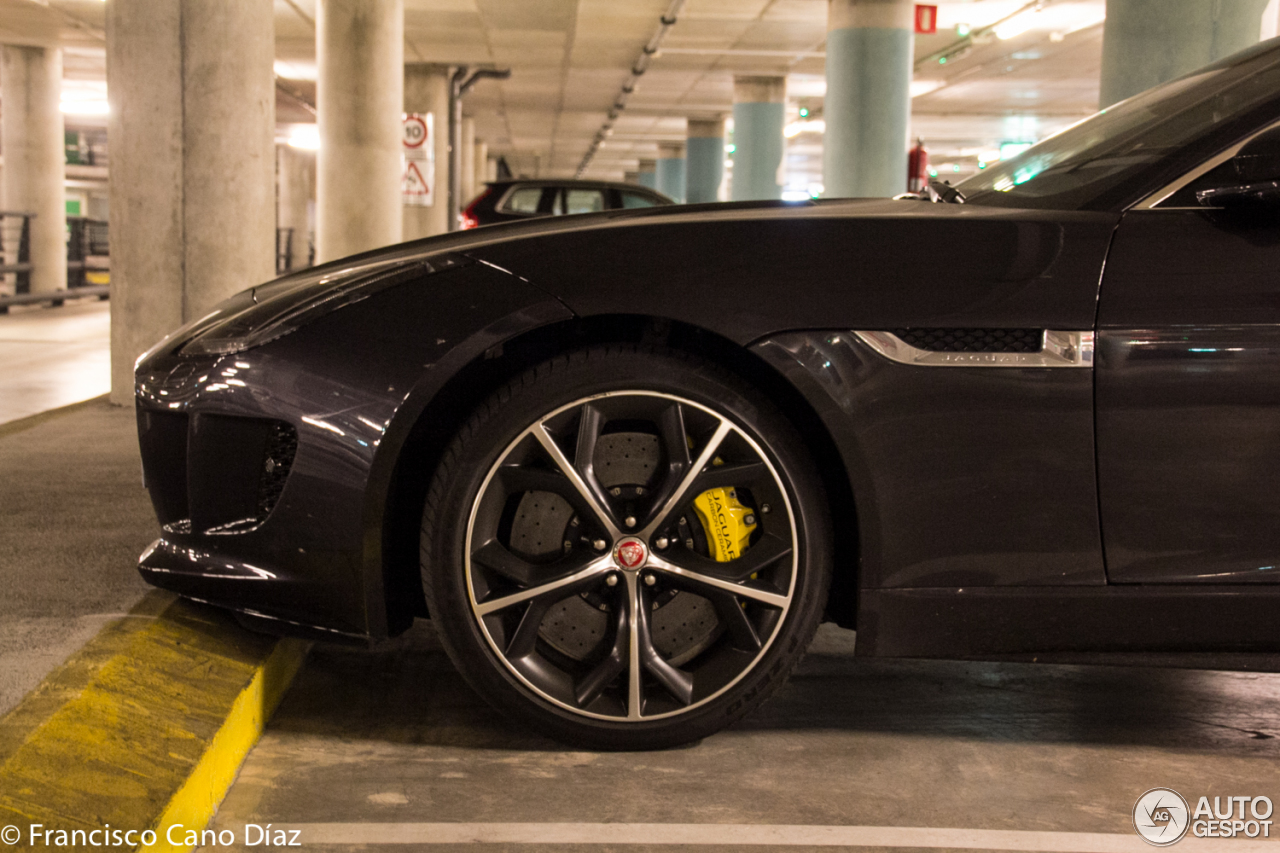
{"points": [[417, 185]]}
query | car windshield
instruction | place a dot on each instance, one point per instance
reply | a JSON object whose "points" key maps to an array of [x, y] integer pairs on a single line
{"points": [[1088, 162]]}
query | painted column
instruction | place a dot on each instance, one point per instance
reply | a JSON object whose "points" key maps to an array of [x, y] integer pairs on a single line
{"points": [[1146, 42], [647, 174], [426, 90], [359, 105], [705, 160], [867, 108], [192, 131], [35, 157], [758, 114], [468, 162], [295, 193], [669, 170]]}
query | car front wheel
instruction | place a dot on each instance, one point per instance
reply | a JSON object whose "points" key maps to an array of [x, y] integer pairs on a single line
{"points": [[627, 548]]}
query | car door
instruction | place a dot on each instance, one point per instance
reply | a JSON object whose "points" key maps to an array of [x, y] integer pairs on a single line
{"points": [[1188, 391]]}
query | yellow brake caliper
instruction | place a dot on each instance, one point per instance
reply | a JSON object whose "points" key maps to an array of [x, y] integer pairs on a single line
{"points": [[725, 521]]}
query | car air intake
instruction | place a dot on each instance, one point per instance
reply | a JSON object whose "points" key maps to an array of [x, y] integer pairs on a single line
{"points": [[282, 445], [973, 340]]}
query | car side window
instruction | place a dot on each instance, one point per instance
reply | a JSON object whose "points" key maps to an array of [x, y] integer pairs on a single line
{"points": [[630, 199], [582, 201], [524, 200]]}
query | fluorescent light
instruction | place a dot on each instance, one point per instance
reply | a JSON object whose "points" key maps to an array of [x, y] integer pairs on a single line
{"points": [[292, 70], [1017, 25], [305, 137], [798, 127], [83, 106], [924, 87]]}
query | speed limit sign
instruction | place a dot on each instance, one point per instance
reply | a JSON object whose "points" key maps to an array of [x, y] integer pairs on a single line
{"points": [[417, 186], [416, 130]]}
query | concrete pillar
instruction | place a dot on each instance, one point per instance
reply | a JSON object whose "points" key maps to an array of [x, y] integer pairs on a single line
{"points": [[426, 91], [468, 163], [1146, 42], [35, 158], [647, 174], [295, 182], [192, 131], [491, 169], [481, 163], [867, 108], [705, 160], [669, 171], [359, 104], [758, 115]]}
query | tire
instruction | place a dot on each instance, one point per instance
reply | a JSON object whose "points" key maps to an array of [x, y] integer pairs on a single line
{"points": [[578, 586]]}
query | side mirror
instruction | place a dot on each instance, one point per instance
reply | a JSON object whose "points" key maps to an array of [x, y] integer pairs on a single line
{"points": [[1257, 166]]}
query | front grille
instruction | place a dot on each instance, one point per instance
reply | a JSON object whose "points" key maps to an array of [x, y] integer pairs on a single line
{"points": [[973, 340], [282, 445]]}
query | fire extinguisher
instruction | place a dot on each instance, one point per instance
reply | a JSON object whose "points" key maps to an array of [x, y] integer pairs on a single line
{"points": [[917, 168]]}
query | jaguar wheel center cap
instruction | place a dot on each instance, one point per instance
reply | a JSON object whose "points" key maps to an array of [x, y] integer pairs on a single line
{"points": [[630, 554]]}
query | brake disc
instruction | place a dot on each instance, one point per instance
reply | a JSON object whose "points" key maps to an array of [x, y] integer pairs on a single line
{"points": [[683, 624]]}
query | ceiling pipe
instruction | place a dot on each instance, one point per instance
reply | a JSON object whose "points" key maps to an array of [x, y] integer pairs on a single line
{"points": [[665, 23], [460, 82]]}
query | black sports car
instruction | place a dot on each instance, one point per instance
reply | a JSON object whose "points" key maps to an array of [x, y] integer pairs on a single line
{"points": [[627, 462]]}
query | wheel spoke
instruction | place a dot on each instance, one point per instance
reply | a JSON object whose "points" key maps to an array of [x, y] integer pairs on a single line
{"points": [[598, 507], [729, 476], [676, 498], [671, 432], [735, 620], [525, 638], [678, 682], [590, 687], [695, 578], [635, 694], [568, 582]]}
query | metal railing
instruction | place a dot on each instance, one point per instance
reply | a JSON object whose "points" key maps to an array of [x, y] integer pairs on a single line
{"points": [[88, 261], [15, 250]]}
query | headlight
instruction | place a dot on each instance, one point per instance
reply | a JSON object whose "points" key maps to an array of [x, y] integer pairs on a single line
{"points": [[282, 306]]}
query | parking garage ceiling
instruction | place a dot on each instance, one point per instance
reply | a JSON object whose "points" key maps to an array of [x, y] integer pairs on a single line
{"points": [[1034, 74]]}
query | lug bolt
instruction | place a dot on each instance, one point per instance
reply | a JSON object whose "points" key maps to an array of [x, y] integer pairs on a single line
{"points": [[568, 546], [765, 508], [611, 580], [629, 521], [599, 544], [688, 543], [639, 490], [750, 519], [660, 543], [650, 580], [615, 491], [683, 521]]}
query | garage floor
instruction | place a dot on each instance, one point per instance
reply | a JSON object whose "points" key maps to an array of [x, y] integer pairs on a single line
{"points": [[53, 356], [373, 747]]}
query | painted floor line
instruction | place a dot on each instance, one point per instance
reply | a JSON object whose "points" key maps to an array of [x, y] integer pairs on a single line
{"points": [[752, 835]]}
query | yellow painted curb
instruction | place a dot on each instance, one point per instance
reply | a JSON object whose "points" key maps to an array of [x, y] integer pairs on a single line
{"points": [[143, 729]]}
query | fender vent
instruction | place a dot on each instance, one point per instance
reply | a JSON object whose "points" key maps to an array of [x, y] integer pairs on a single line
{"points": [[282, 445], [973, 340]]}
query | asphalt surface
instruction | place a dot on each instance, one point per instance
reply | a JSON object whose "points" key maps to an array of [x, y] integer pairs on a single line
{"points": [[73, 520], [371, 745]]}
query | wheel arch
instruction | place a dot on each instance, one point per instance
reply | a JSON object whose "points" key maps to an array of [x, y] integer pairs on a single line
{"points": [[449, 408]]}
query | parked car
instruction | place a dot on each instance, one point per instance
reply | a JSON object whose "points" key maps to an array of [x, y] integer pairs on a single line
{"points": [[629, 481], [515, 200]]}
